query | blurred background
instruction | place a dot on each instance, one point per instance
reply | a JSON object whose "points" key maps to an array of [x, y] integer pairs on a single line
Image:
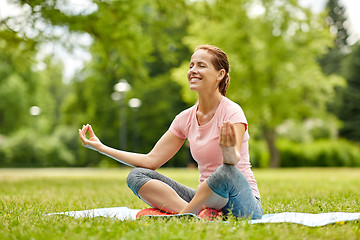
{"points": [[121, 67]]}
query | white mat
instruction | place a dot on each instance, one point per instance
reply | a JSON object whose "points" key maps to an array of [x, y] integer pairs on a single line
{"points": [[307, 219], [121, 213]]}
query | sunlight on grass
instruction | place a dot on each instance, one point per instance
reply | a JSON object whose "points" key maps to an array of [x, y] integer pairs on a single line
{"points": [[26, 195]]}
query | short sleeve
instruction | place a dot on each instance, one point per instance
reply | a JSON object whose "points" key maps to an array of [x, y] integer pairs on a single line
{"points": [[177, 127], [238, 116]]}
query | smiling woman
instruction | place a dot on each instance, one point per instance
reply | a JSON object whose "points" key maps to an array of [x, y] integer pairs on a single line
{"points": [[216, 129]]}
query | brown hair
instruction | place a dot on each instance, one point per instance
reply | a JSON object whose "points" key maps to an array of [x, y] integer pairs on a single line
{"points": [[220, 61]]}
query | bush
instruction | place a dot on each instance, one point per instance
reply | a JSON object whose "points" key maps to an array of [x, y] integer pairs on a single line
{"points": [[321, 153], [259, 154], [26, 148]]}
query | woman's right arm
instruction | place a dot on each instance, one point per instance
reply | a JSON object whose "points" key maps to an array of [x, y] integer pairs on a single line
{"points": [[164, 149]]}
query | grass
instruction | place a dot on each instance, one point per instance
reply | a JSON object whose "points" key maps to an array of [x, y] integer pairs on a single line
{"points": [[26, 195]]}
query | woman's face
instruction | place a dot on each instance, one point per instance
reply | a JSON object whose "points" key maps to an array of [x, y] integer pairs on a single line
{"points": [[202, 75]]}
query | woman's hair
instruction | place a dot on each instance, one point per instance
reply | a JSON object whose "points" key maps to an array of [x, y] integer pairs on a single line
{"points": [[220, 61]]}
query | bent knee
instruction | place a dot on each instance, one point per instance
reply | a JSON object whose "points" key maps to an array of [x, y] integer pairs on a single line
{"points": [[225, 179], [137, 178], [226, 173]]}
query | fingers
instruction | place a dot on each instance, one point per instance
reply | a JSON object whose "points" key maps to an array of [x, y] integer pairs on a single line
{"points": [[82, 134], [222, 135], [82, 137], [227, 136], [228, 133], [91, 132], [232, 134]]}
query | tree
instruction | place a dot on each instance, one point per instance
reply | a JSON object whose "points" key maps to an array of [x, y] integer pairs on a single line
{"points": [[331, 61], [349, 113], [135, 40], [342, 59], [17, 55], [138, 41], [274, 71]]}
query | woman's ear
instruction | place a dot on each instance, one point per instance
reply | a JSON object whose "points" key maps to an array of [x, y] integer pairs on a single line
{"points": [[221, 75]]}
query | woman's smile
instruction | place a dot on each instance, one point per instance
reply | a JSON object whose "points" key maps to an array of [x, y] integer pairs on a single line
{"points": [[195, 79]]}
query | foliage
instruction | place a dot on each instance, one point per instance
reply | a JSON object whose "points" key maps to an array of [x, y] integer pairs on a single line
{"points": [[309, 130], [139, 55], [349, 97], [342, 59], [313, 153], [25, 149], [331, 61], [28, 195], [259, 156], [16, 79], [321, 153], [273, 52], [11, 88]]}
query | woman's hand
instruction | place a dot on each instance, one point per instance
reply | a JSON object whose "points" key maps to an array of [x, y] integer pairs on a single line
{"points": [[93, 141], [227, 142]]}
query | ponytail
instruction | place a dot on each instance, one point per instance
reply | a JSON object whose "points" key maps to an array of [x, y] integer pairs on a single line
{"points": [[224, 84]]}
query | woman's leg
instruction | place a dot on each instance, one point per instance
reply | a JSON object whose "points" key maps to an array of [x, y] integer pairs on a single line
{"points": [[158, 190], [205, 198], [161, 196], [229, 190], [229, 182]]}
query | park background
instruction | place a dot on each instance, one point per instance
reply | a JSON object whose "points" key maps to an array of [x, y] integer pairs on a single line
{"points": [[294, 71]]}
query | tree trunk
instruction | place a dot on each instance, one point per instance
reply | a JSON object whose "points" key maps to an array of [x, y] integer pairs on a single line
{"points": [[269, 134]]}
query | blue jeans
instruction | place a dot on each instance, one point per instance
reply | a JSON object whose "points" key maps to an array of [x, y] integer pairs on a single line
{"points": [[227, 181]]}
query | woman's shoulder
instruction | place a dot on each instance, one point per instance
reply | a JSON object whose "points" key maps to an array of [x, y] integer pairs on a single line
{"points": [[187, 112], [180, 125], [231, 111], [230, 105]]}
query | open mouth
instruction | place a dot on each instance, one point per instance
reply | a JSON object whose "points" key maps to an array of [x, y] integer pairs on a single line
{"points": [[194, 79]]}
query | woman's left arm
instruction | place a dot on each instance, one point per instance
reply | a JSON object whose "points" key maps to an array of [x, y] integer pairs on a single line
{"points": [[230, 140]]}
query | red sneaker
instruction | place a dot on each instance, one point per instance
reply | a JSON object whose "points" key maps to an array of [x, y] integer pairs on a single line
{"points": [[210, 214], [151, 212]]}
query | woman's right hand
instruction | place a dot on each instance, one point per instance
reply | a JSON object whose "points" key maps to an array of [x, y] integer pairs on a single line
{"points": [[228, 142], [93, 141]]}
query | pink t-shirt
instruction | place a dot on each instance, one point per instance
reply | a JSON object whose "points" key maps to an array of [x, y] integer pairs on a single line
{"points": [[204, 139]]}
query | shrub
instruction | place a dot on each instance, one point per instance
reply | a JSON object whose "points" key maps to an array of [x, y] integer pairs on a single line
{"points": [[321, 153], [259, 154], [26, 148]]}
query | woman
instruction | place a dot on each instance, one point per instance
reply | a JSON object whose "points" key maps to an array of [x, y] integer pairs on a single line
{"points": [[216, 129]]}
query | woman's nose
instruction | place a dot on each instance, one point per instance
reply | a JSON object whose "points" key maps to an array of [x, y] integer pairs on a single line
{"points": [[192, 69]]}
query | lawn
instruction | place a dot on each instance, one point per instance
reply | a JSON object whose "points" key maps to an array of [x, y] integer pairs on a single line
{"points": [[26, 195]]}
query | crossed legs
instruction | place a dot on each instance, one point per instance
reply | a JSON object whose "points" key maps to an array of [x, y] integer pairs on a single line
{"points": [[225, 189], [161, 196], [158, 190]]}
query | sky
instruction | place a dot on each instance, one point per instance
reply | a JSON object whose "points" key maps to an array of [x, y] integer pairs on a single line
{"points": [[76, 60], [352, 8]]}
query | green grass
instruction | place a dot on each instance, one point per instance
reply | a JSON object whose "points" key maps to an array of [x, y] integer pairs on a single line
{"points": [[26, 195]]}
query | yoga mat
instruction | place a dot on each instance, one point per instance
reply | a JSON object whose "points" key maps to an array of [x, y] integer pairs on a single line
{"points": [[307, 219]]}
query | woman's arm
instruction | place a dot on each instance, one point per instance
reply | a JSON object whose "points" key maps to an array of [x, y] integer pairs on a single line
{"points": [[165, 148], [230, 140]]}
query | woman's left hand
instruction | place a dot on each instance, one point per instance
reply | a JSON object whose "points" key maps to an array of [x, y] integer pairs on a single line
{"points": [[93, 142], [227, 143]]}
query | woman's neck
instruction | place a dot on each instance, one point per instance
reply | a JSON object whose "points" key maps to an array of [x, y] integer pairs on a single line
{"points": [[209, 103]]}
